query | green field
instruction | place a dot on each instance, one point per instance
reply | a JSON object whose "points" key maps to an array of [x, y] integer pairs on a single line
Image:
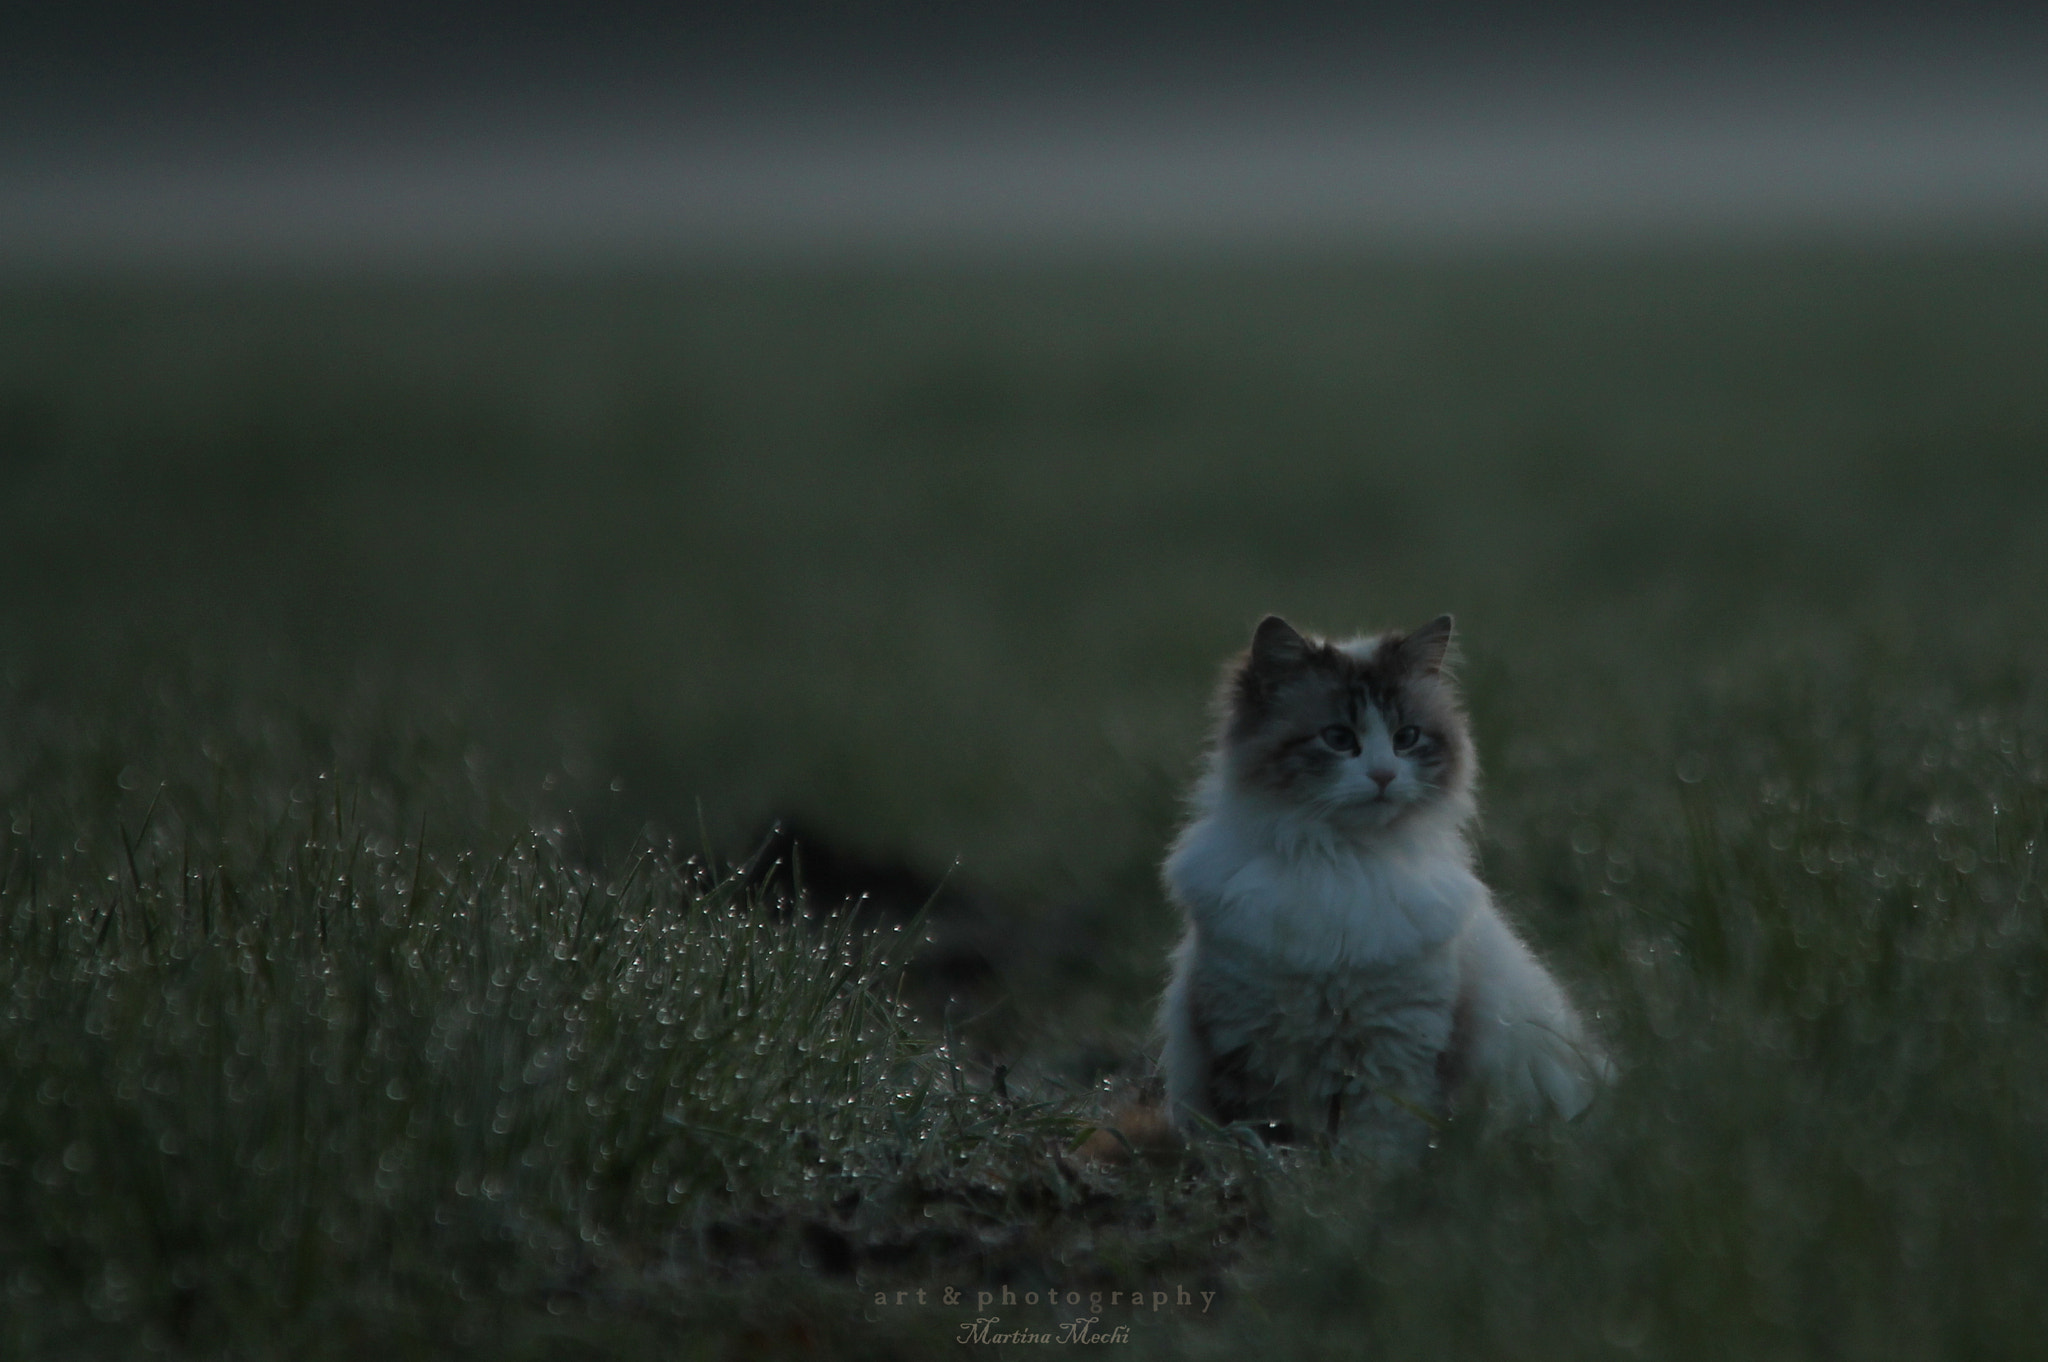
{"points": [[392, 668]]}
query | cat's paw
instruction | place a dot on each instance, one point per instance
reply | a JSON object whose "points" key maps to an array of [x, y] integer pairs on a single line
{"points": [[1566, 1076], [1532, 1071]]}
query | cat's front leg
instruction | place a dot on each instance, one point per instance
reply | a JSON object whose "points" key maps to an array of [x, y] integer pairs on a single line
{"points": [[1184, 1059]]}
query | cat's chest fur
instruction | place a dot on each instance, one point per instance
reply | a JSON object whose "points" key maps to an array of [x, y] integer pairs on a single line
{"points": [[1314, 904]]}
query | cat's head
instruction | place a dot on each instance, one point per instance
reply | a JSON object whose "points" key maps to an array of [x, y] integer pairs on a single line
{"points": [[1365, 734]]}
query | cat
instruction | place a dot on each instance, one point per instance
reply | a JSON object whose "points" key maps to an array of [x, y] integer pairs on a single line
{"points": [[1344, 973]]}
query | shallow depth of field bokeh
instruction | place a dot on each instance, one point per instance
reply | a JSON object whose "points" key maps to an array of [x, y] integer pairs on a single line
{"points": [[530, 588]]}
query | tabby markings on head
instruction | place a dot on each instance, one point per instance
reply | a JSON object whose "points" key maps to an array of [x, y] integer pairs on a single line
{"points": [[1373, 721]]}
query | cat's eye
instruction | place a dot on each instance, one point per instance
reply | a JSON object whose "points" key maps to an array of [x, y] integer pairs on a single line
{"points": [[1406, 737], [1341, 738]]}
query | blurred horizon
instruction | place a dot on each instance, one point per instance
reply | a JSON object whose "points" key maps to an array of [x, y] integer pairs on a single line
{"points": [[449, 137]]}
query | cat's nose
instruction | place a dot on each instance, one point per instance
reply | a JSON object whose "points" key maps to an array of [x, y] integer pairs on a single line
{"points": [[1382, 777]]}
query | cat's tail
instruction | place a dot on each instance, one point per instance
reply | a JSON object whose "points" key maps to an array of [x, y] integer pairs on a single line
{"points": [[1521, 1048]]}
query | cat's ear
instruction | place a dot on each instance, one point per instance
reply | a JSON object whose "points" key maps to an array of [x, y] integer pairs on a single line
{"points": [[1424, 650], [1276, 647]]}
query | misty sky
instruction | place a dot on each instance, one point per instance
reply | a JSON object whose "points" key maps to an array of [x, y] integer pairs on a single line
{"points": [[220, 135]]}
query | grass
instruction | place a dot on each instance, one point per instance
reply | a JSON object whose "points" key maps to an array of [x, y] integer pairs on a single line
{"points": [[396, 669], [289, 1074]]}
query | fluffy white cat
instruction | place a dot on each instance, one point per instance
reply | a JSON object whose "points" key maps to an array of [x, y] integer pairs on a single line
{"points": [[1345, 973]]}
